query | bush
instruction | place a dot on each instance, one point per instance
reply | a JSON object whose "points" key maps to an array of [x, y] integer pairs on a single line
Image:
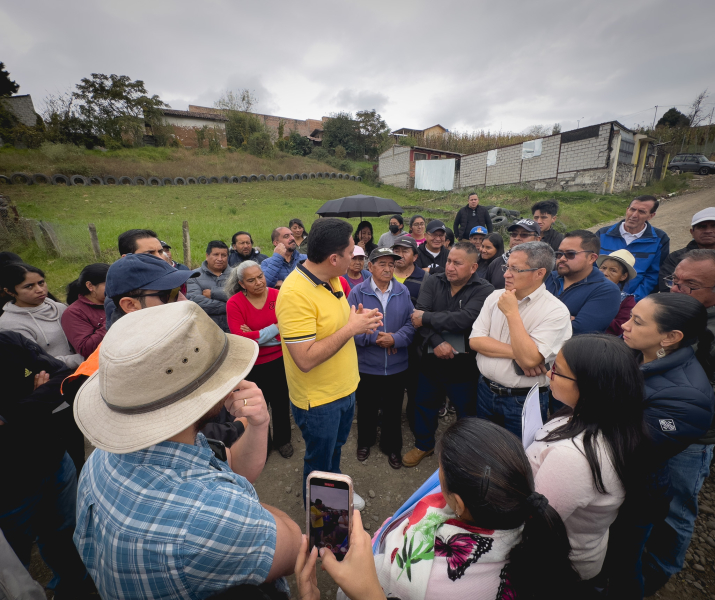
{"points": [[340, 153], [60, 152], [259, 144], [369, 176], [320, 153], [299, 145]]}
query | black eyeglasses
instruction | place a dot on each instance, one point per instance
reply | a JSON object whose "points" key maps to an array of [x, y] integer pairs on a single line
{"points": [[506, 268], [553, 372], [165, 296], [570, 254], [672, 282]]}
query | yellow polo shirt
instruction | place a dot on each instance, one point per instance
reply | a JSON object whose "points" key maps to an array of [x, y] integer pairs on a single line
{"points": [[306, 310]]}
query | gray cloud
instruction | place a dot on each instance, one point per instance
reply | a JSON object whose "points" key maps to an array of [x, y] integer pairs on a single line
{"points": [[464, 65]]}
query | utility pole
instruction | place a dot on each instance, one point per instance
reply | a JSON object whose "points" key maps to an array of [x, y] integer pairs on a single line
{"points": [[578, 122], [654, 116]]}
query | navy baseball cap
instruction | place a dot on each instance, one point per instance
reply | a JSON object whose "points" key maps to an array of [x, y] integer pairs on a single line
{"points": [[143, 272], [435, 226], [527, 224], [478, 230]]}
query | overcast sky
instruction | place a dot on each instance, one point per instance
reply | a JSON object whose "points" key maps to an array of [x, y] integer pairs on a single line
{"points": [[466, 65]]}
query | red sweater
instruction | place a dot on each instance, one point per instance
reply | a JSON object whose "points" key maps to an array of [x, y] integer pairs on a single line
{"points": [[83, 324], [239, 311]]}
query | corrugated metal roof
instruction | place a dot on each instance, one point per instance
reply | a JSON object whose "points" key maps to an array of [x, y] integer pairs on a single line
{"points": [[170, 112]]}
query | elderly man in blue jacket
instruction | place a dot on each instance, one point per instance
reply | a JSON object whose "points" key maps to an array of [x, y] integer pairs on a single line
{"points": [[285, 258], [382, 357], [649, 245], [592, 299]]}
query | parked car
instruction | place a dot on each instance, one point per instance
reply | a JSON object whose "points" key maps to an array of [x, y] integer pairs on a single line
{"points": [[694, 163]]}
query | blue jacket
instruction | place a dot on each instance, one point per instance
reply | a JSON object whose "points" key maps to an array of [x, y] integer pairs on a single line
{"points": [[594, 301], [650, 252], [679, 402], [396, 320], [275, 267]]}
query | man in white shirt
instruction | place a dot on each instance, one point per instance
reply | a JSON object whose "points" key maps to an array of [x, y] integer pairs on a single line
{"points": [[517, 335]]}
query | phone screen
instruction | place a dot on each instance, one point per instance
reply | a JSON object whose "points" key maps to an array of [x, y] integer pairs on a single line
{"points": [[329, 516]]}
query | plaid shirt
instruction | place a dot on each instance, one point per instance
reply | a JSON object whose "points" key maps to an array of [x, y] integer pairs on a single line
{"points": [[171, 521]]}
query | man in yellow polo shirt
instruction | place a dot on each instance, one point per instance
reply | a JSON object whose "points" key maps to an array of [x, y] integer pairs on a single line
{"points": [[317, 326]]}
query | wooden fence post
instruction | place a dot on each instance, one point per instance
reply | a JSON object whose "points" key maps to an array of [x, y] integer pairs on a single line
{"points": [[187, 244], [95, 240], [50, 239]]}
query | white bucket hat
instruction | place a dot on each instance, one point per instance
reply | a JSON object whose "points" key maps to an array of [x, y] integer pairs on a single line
{"points": [[160, 370], [623, 257]]}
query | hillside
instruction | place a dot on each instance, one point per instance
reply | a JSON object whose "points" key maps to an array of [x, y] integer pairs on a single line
{"points": [[148, 161]]}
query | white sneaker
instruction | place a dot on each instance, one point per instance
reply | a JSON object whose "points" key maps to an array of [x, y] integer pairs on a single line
{"points": [[358, 502]]}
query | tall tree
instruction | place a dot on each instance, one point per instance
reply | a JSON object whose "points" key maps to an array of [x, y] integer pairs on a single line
{"points": [[236, 106], [673, 118], [374, 131], [113, 105], [342, 130], [7, 86]]}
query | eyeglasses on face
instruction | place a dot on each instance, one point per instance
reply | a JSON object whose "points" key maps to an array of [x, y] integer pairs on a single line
{"points": [[506, 268], [522, 235], [673, 281], [554, 373], [570, 254], [165, 296]]}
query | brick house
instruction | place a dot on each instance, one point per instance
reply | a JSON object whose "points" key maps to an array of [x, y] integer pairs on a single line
{"points": [[603, 158], [305, 127], [186, 123]]}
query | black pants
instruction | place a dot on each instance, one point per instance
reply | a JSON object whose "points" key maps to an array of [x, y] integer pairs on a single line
{"points": [[384, 392], [271, 378]]}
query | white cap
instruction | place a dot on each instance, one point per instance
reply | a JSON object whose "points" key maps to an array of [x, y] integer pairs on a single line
{"points": [[358, 251], [707, 214]]}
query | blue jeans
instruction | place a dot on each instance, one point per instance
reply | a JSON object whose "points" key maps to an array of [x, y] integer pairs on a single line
{"points": [[325, 430], [505, 410], [670, 538], [48, 516], [431, 391]]}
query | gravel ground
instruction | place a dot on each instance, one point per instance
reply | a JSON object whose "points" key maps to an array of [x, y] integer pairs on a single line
{"points": [[385, 489]]}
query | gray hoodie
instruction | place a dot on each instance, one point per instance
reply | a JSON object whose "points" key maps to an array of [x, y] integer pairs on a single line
{"points": [[43, 326]]}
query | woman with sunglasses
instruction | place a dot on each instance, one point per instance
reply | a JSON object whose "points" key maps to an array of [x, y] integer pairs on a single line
{"points": [[585, 460], [679, 408]]}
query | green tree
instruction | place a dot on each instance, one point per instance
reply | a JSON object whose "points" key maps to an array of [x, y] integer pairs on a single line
{"points": [[259, 144], [7, 86], [342, 130], [236, 106], [299, 145], [113, 106], [673, 118], [374, 132]]}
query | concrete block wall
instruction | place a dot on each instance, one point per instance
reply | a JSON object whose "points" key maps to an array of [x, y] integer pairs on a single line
{"points": [[473, 170], [586, 154], [508, 167], [395, 166], [545, 165]]}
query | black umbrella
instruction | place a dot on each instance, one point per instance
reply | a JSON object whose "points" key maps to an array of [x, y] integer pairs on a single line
{"points": [[359, 206]]}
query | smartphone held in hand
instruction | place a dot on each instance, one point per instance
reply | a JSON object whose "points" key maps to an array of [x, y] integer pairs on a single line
{"points": [[329, 510]]}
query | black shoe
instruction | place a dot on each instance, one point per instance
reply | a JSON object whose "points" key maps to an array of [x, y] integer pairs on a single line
{"points": [[395, 461], [286, 450], [363, 454]]}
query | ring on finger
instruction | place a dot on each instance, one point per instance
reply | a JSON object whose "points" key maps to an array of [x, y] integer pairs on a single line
{"points": [[245, 402]]}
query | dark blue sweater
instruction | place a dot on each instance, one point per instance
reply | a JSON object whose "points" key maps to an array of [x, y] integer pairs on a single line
{"points": [[593, 301]]}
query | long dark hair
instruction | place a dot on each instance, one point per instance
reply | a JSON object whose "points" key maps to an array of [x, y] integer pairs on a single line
{"points": [[13, 274], [363, 225], [297, 221], [487, 466], [498, 242], [684, 313], [95, 274], [610, 404], [413, 218]]}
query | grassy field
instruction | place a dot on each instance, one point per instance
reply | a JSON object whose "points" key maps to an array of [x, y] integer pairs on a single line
{"points": [[218, 211]]}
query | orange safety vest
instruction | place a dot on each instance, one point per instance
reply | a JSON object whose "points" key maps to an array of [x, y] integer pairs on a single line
{"points": [[88, 368]]}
